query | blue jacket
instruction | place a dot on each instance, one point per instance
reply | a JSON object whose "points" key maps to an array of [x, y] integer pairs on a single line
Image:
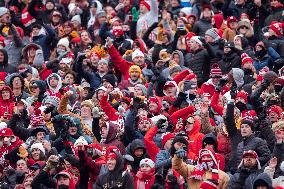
{"points": [[267, 60]]}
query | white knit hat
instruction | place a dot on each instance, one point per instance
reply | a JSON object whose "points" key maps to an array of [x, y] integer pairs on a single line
{"points": [[137, 53], [196, 39], [81, 140], [3, 125], [148, 162], [64, 42], [3, 10], [38, 146], [76, 18]]}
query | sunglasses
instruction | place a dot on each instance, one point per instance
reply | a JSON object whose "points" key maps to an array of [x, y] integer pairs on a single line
{"points": [[244, 27]]}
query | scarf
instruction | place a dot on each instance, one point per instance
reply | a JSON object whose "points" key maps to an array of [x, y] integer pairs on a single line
{"points": [[144, 179]]}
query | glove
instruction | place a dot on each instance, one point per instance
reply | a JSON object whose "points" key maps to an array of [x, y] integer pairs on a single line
{"points": [[135, 14], [181, 153]]}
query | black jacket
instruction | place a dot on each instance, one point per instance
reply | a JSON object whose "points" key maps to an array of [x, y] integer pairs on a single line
{"points": [[117, 178], [201, 26], [199, 63], [229, 61]]}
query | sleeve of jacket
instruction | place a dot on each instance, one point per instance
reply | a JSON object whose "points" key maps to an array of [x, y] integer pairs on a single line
{"points": [[151, 147], [16, 37], [50, 34], [230, 120], [129, 124], [182, 113], [163, 161], [273, 54], [129, 184], [21, 132], [263, 152], [104, 32], [214, 104], [255, 99], [181, 167], [267, 134], [179, 77], [108, 109], [121, 64]]}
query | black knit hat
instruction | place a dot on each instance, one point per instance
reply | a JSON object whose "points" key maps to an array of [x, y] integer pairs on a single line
{"points": [[180, 139], [248, 122], [111, 79]]}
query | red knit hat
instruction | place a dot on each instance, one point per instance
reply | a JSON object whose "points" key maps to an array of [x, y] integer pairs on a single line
{"points": [[207, 184], [246, 59], [146, 4], [215, 71], [231, 19], [6, 132], [165, 137], [156, 100], [242, 95], [277, 109], [190, 76], [277, 27]]}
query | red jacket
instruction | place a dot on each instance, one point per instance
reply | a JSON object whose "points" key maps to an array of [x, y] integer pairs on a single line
{"points": [[108, 109], [194, 136], [6, 105], [151, 147], [5, 149], [121, 64]]}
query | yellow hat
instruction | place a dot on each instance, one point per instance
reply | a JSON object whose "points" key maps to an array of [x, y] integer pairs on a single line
{"points": [[135, 68]]}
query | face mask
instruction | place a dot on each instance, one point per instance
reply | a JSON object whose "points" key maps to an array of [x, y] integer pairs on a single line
{"points": [[247, 71], [59, 51], [241, 106], [117, 32]]}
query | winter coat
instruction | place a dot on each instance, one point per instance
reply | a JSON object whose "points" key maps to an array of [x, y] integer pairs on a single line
{"points": [[244, 179], [45, 41], [19, 125], [5, 66], [130, 149], [6, 106], [43, 181], [256, 144], [229, 61], [201, 26], [163, 161], [117, 178], [111, 139], [198, 62], [236, 10], [267, 60], [185, 170]]}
